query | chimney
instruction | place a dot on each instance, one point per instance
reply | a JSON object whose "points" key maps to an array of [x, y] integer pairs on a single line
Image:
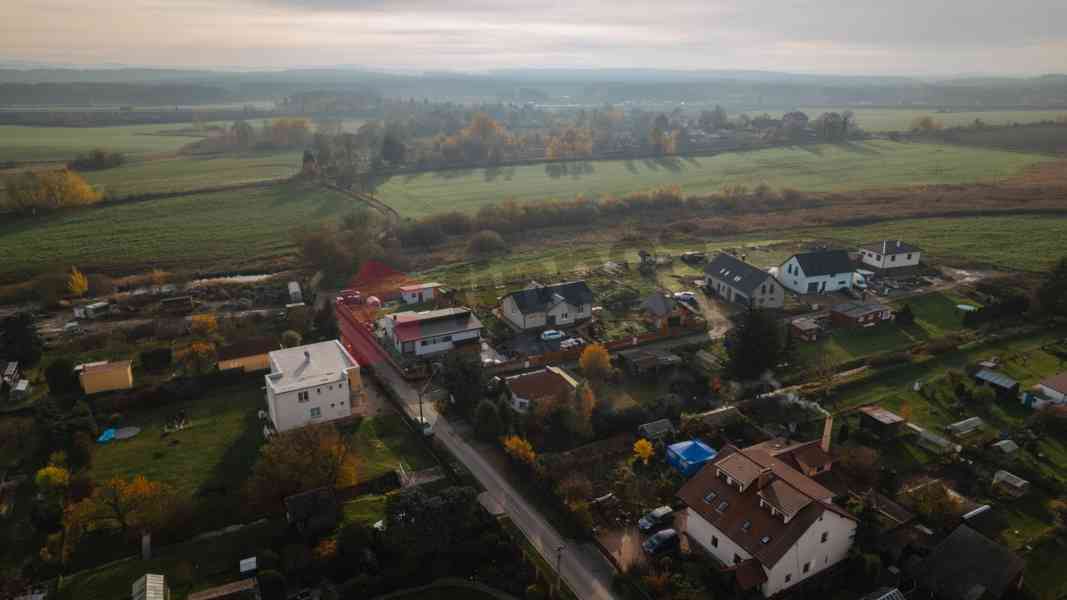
{"points": [[827, 433], [898, 244]]}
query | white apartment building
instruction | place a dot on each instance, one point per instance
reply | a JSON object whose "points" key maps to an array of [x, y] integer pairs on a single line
{"points": [[311, 384]]}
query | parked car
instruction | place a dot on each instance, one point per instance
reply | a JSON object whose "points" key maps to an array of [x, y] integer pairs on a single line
{"points": [[655, 518], [551, 335], [687, 297], [661, 542], [571, 343]]}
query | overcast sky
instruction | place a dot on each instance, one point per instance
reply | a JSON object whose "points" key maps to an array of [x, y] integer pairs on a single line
{"points": [[902, 37]]}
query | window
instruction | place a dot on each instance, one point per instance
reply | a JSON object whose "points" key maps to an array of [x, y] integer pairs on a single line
{"points": [[893, 258], [765, 540], [788, 577], [825, 536], [302, 397], [315, 412], [424, 343], [746, 526], [714, 542], [807, 566], [909, 257], [722, 506], [318, 391], [710, 497]]}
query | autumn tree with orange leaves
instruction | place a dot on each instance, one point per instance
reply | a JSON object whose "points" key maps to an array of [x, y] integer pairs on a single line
{"points": [[134, 506], [299, 460]]}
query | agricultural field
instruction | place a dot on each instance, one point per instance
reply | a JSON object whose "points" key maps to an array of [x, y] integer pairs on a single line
{"points": [[1050, 139], [217, 231], [23, 144], [180, 173], [838, 167], [876, 120]]}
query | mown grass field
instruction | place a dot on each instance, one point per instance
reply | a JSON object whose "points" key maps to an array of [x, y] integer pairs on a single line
{"points": [[384, 443], [211, 231], [183, 173], [838, 167], [900, 119], [22, 143]]}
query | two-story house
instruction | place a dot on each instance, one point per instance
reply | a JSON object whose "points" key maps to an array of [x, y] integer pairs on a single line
{"points": [[887, 255], [311, 384], [548, 384], [555, 305], [817, 272], [760, 512], [734, 280]]}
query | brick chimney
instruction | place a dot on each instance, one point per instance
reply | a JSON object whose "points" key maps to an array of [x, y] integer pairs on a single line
{"points": [[827, 433]]}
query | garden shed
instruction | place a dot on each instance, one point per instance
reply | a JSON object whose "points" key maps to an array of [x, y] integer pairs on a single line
{"points": [[656, 430], [688, 457], [1005, 386], [966, 426]]}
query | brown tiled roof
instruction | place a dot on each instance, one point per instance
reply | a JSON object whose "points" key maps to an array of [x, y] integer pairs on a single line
{"points": [[740, 467], [784, 497], [545, 383], [881, 415], [246, 348], [742, 519], [811, 456], [224, 591], [1057, 382]]}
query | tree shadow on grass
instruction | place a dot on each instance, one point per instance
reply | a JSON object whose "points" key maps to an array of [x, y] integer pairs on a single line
{"points": [[220, 499]]}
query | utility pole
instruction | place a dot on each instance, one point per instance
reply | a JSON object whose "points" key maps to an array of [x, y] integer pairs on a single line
{"points": [[435, 368], [559, 573]]}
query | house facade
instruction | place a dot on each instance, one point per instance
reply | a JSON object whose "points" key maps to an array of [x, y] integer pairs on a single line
{"points": [[860, 314], [419, 292], [556, 305], [887, 255], [311, 384], [105, 376], [734, 280], [550, 383], [817, 272], [760, 513], [429, 332]]}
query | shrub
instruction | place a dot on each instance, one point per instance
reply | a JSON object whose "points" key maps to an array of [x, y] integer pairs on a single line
{"points": [[61, 378], [486, 242], [96, 160], [157, 359]]}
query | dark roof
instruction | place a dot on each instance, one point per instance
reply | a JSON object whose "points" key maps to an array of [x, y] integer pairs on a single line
{"points": [[969, 566], [550, 382], [855, 310], [890, 247], [246, 348], [542, 297], [659, 304], [229, 590], [824, 262], [736, 273], [996, 378]]}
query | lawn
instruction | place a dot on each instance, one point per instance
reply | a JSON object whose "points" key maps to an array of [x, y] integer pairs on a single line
{"points": [[385, 442], [28, 143], [182, 173], [218, 448], [1045, 574], [839, 167], [365, 510], [1031, 243], [224, 230]]}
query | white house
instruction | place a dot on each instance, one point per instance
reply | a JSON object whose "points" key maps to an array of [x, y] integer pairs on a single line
{"points": [[528, 389], [817, 272], [759, 512], [311, 384], [419, 292], [432, 331], [890, 254], [734, 280], [556, 305]]}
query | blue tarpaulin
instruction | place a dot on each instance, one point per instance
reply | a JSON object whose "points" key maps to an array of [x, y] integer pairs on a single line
{"points": [[107, 436], [688, 457]]}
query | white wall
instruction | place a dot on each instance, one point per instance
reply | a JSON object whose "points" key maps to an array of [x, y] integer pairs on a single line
{"points": [[1051, 394], [332, 399], [810, 547], [438, 344], [564, 312], [701, 532], [793, 277], [889, 261], [417, 296], [512, 313], [773, 298]]}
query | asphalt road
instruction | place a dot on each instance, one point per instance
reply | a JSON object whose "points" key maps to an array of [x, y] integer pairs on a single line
{"points": [[583, 566]]}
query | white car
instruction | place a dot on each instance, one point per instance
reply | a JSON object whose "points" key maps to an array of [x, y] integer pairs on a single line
{"points": [[571, 343], [689, 297], [551, 335]]}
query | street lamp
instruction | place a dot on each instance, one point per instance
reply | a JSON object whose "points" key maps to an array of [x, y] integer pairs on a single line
{"points": [[435, 368]]}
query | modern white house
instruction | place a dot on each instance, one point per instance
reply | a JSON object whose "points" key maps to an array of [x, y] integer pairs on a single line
{"points": [[311, 384], [734, 280], [419, 292], [817, 272], [550, 383], [887, 255], [431, 331], [760, 512], [556, 305], [1053, 390]]}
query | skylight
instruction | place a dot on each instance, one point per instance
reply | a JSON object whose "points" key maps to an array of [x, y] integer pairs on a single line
{"points": [[765, 540], [711, 496], [723, 506], [746, 526]]}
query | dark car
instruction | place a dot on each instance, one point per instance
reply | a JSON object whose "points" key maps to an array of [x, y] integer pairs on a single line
{"points": [[655, 519], [661, 542]]}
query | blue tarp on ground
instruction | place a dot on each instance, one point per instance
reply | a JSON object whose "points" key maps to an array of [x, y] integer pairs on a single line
{"points": [[107, 436], [688, 457]]}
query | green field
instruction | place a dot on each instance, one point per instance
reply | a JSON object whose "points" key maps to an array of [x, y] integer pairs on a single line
{"points": [[900, 119], [182, 173], [213, 231], [840, 167], [385, 443], [22, 143]]}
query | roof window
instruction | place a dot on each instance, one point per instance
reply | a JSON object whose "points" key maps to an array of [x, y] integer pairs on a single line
{"points": [[710, 497], [722, 506], [765, 540]]}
